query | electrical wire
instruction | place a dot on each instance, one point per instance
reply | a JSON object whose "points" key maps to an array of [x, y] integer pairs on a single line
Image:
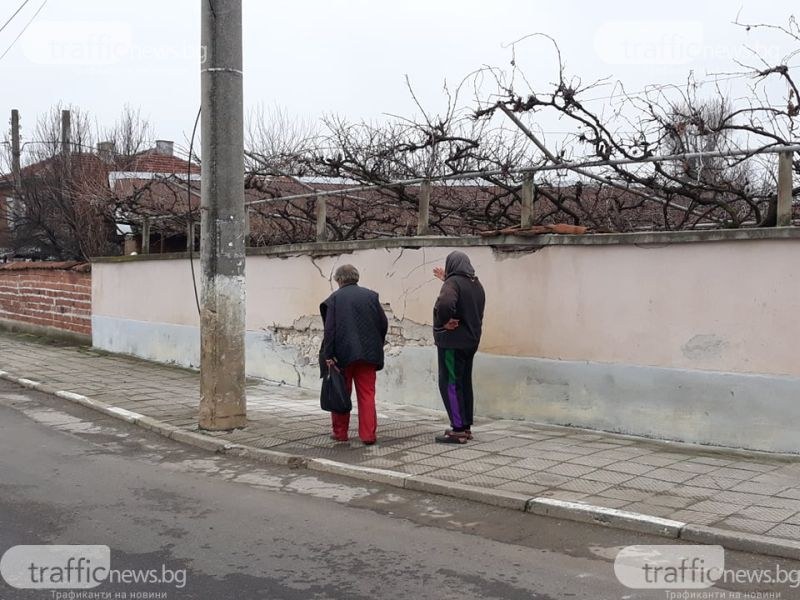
{"points": [[24, 29], [11, 18]]}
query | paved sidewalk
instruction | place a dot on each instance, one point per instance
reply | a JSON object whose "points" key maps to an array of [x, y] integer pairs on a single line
{"points": [[744, 493]]}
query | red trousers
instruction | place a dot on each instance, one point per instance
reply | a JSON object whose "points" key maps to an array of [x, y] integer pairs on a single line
{"points": [[361, 374]]}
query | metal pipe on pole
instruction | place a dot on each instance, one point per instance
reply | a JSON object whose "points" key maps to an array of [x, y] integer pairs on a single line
{"points": [[222, 245]]}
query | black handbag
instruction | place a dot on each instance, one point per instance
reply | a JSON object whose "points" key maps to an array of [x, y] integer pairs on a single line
{"points": [[334, 396]]}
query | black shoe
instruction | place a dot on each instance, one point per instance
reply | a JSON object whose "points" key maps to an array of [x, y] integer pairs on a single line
{"points": [[466, 431], [452, 437]]}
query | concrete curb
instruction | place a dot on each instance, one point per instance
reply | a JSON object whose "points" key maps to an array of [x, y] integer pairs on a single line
{"points": [[499, 498], [393, 478], [746, 542], [542, 506], [272, 457], [608, 517]]}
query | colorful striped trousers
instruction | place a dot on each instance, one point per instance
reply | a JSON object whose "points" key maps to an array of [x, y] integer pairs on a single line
{"points": [[455, 385]]}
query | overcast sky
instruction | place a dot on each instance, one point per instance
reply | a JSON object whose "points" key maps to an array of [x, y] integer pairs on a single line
{"points": [[351, 57]]}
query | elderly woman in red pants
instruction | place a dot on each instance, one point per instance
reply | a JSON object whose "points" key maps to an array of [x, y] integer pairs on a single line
{"points": [[355, 332]]}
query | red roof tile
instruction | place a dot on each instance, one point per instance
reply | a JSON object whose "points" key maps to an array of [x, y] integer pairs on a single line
{"points": [[151, 161]]}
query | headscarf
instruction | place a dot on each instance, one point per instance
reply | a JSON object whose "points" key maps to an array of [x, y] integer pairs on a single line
{"points": [[458, 263]]}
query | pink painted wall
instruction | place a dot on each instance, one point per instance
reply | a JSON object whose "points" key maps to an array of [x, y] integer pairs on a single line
{"points": [[727, 306]]}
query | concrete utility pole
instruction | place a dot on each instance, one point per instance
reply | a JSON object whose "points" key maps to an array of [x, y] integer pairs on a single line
{"points": [[222, 245], [66, 154], [16, 171], [66, 134]]}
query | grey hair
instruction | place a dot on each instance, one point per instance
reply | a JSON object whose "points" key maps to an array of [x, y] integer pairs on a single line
{"points": [[345, 275]]}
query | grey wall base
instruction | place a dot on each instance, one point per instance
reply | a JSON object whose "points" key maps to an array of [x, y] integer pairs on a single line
{"points": [[756, 412], [44, 331]]}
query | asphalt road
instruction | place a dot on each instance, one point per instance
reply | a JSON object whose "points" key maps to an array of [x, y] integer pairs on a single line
{"points": [[245, 531]]}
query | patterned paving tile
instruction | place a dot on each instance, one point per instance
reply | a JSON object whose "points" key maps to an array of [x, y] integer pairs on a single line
{"points": [[522, 488], [749, 525], [414, 469], [613, 477], [693, 467], [447, 474], [695, 517], [380, 463], [674, 502], [603, 501], [592, 461], [440, 461], [712, 481], [656, 460], [765, 513], [535, 464], [793, 493], [624, 453], [499, 445], [786, 530], [566, 495], [520, 452], [752, 487], [484, 481], [779, 502], [732, 497], [474, 466], [672, 475], [732, 473], [497, 459], [627, 494], [631, 468], [719, 508], [754, 466], [546, 479], [582, 485], [708, 460], [570, 470], [511, 473], [648, 485]]}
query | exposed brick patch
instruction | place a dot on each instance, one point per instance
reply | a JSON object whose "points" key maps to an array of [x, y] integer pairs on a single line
{"points": [[50, 294]]}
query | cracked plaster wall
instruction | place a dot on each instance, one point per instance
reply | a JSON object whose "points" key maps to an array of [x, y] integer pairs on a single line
{"points": [[722, 306], [679, 341], [725, 306]]}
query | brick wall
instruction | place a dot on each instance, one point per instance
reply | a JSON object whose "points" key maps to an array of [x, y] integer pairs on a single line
{"points": [[50, 294]]}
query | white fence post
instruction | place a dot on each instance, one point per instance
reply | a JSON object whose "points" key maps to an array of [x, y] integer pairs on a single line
{"points": [[423, 216], [527, 202], [322, 218], [145, 235]]}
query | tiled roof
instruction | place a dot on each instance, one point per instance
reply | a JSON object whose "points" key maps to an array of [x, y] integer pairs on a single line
{"points": [[83, 163], [151, 161]]}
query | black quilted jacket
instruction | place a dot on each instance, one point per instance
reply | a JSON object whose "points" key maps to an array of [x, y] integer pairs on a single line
{"points": [[355, 326], [460, 298]]}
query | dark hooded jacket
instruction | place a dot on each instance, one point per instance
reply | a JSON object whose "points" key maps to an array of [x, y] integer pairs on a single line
{"points": [[355, 327], [461, 297]]}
